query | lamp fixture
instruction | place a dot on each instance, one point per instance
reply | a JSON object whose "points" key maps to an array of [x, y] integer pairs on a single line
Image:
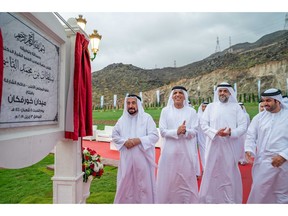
{"points": [[95, 38], [81, 21]]}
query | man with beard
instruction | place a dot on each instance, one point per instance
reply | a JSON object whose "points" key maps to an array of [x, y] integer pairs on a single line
{"points": [[223, 123], [268, 134], [176, 177], [135, 135]]}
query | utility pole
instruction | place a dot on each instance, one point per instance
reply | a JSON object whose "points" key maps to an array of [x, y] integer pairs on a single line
{"points": [[230, 50], [217, 45], [286, 22]]}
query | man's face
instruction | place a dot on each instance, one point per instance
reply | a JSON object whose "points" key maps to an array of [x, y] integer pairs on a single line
{"points": [[178, 96], [203, 107], [261, 107], [132, 107], [224, 95], [270, 104]]}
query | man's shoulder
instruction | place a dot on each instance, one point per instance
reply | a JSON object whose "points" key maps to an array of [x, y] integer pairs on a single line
{"points": [[212, 104], [191, 109], [285, 109], [164, 109], [147, 115]]}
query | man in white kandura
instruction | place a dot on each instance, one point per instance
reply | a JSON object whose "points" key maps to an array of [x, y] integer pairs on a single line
{"points": [[201, 137], [242, 158], [261, 106], [285, 100], [135, 135], [223, 122], [267, 142], [176, 178]]}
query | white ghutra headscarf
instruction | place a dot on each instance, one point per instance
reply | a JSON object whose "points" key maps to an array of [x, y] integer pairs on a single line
{"points": [[139, 105], [275, 94], [131, 123], [243, 107], [200, 111], [232, 97], [184, 90]]}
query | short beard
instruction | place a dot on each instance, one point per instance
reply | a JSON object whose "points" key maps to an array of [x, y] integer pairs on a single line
{"points": [[223, 99], [271, 108], [132, 111]]}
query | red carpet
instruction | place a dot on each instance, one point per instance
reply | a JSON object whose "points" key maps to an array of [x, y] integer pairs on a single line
{"points": [[103, 148], [246, 180]]}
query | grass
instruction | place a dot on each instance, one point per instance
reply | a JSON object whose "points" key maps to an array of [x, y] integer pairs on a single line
{"points": [[27, 185], [102, 191], [110, 117], [34, 185]]}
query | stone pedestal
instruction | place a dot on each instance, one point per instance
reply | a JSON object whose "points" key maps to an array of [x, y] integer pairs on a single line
{"points": [[68, 175]]}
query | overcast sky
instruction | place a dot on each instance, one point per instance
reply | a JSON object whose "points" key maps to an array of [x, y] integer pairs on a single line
{"points": [[132, 33], [161, 39]]}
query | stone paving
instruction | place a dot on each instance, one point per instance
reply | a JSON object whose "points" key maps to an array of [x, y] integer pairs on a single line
{"points": [[110, 162]]}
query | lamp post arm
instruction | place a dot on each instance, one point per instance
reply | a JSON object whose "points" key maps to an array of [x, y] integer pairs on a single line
{"points": [[94, 56]]}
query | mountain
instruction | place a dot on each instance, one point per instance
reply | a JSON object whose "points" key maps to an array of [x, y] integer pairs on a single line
{"points": [[245, 63]]}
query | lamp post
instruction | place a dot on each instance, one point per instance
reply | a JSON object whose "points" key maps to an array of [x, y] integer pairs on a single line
{"points": [[95, 37], [68, 177], [95, 41], [81, 21]]}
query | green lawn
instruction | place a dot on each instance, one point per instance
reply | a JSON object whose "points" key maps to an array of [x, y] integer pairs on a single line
{"points": [[34, 185], [108, 117], [27, 185]]}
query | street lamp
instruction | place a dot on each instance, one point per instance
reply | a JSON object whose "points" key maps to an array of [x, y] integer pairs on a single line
{"points": [[95, 37], [81, 21]]}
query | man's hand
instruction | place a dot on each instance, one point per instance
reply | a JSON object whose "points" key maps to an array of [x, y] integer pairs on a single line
{"points": [[130, 143], [224, 132], [277, 161], [182, 128], [249, 157]]}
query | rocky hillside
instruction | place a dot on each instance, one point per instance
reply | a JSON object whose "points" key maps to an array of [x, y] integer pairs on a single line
{"points": [[244, 64]]}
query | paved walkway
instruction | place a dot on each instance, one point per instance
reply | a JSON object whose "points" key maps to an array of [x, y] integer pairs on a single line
{"points": [[110, 162]]}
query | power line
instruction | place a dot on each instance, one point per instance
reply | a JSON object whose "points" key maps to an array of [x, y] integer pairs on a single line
{"points": [[268, 27]]}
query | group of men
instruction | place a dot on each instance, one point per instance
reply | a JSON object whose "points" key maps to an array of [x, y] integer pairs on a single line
{"points": [[219, 132]]}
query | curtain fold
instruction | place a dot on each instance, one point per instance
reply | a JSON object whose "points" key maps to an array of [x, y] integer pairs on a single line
{"points": [[82, 96]]}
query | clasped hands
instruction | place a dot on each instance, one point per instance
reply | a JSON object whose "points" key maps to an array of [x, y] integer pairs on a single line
{"points": [[224, 132], [130, 143]]}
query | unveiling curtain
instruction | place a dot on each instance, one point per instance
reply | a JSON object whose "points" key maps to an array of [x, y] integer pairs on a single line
{"points": [[81, 112]]}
